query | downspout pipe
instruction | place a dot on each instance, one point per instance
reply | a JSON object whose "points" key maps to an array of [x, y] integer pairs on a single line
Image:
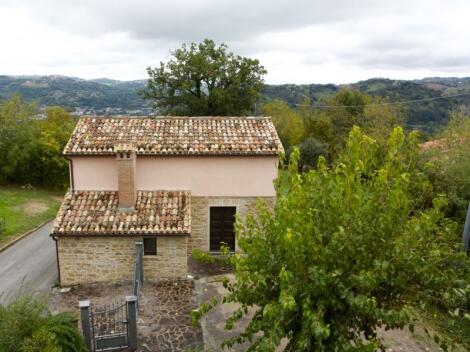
{"points": [[72, 181], [72, 188], [57, 257]]}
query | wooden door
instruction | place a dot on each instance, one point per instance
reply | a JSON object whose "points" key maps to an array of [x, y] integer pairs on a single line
{"points": [[222, 220]]}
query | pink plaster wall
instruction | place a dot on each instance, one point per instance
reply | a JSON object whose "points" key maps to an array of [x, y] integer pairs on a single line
{"points": [[98, 173], [203, 176]]}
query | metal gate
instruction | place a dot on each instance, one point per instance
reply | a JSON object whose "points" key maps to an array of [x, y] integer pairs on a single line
{"points": [[109, 326]]}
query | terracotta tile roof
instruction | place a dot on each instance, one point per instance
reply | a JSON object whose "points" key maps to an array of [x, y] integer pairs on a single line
{"points": [[176, 136], [441, 143], [96, 213]]}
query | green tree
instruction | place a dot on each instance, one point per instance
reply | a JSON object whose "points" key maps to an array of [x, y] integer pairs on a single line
{"points": [[373, 114], [311, 150], [31, 146], [449, 164], [380, 117], [18, 139], [205, 79], [288, 123], [316, 123], [55, 130], [346, 250]]}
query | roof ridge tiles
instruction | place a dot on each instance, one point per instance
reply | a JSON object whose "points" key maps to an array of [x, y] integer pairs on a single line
{"points": [[210, 135]]}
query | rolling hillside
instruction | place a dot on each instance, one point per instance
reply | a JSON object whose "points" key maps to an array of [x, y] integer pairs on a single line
{"points": [[113, 97], [427, 115], [101, 96]]}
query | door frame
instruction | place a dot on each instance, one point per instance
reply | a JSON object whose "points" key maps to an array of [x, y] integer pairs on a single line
{"points": [[220, 203]]}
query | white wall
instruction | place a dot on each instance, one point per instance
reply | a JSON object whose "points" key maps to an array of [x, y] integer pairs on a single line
{"points": [[235, 176]]}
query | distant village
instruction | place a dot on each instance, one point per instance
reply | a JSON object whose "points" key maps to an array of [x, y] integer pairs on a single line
{"points": [[112, 111]]}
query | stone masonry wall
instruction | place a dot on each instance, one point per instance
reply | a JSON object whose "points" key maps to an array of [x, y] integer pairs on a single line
{"points": [[199, 238], [107, 258], [170, 261]]}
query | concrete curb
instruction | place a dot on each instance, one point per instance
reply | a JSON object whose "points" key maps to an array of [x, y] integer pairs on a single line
{"points": [[26, 234]]}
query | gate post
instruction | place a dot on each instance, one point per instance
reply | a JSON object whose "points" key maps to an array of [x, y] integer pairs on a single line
{"points": [[85, 318], [139, 250], [131, 302]]}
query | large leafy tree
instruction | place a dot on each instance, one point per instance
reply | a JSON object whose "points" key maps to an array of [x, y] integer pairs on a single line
{"points": [[375, 115], [288, 123], [346, 250], [31, 145], [55, 131], [18, 139], [205, 79]]}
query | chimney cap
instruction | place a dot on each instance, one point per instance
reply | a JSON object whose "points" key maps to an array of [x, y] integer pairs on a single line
{"points": [[124, 148]]}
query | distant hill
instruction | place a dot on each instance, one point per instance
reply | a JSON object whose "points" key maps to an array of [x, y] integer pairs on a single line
{"points": [[113, 97], [427, 115], [101, 96]]}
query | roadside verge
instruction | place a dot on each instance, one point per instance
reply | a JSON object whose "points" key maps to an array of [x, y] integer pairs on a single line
{"points": [[26, 234]]}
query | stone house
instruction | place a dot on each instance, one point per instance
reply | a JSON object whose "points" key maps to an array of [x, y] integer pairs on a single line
{"points": [[175, 183]]}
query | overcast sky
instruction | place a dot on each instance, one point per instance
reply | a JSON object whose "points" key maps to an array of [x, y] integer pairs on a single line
{"points": [[317, 41]]}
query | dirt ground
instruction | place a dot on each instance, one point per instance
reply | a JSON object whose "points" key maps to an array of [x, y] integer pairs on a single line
{"points": [[33, 208]]}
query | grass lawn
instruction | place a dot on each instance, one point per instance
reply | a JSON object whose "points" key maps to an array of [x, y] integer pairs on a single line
{"points": [[24, 209]]}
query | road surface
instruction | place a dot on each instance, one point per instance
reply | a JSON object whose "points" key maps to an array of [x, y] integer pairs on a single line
{"points": [[29, 265]]}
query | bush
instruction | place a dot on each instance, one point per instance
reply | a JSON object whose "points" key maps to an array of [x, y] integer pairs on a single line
{"points": [[449, 165], [41, 341], [346, 250], [310, 151], [26, 325]]}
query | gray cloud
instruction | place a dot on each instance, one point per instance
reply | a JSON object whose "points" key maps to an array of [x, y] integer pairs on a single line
{"points": [[191, 20], [297, 38]]}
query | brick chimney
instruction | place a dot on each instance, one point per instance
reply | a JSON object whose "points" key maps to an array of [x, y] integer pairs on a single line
{"points": [[125, 159]]}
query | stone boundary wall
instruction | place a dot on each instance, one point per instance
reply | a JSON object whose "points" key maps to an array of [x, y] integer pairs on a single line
{"points": [[106, 258], [199, 238]]}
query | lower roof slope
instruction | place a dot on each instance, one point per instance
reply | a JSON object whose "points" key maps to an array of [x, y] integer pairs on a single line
{"points": [[97, 213]]}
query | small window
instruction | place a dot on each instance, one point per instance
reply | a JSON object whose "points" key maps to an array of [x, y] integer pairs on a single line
{"points": [[150, 246]]}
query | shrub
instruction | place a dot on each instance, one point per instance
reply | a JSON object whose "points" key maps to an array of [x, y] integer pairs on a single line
{"points": [[346, 250], [449, 165], [26, 325], [41, 341]]}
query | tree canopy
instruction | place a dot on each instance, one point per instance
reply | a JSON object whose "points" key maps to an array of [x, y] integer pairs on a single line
{"points": [[448, 164], [324, 130], [205, 79], [346, 250], [31, 144], [289, 125]]}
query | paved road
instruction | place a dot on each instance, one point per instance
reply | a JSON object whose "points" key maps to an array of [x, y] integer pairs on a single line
{"points": [[29, 265]]}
